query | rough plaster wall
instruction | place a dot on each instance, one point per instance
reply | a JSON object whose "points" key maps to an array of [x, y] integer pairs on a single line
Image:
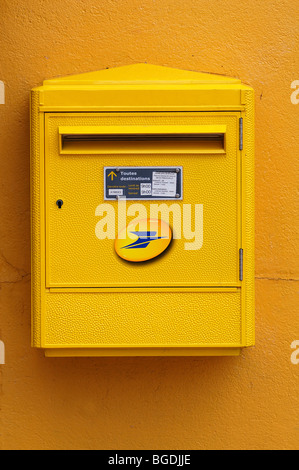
{"points": [[251, 401]]}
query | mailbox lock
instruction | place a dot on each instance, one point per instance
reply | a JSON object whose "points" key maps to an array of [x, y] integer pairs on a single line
{"points": [[59, 203]]}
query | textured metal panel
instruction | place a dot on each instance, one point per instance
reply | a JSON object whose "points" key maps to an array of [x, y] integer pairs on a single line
{"points": [[142, 319], [77, 258], [35, 220], [111, 352], [248, 218]]}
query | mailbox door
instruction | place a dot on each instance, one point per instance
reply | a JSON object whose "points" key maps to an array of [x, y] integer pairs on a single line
{"points": [[74, 173]]}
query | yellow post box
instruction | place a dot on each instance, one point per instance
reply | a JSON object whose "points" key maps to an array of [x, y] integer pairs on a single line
{"points": [[142, 213]]}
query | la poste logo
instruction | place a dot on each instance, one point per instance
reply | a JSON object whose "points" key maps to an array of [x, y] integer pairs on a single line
{"points": [[150, 239]]}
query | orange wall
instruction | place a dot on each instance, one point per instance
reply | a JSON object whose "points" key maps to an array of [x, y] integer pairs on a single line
{"points": [[158, 403]]}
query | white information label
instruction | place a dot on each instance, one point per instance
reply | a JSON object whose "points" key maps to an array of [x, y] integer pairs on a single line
{"points": [[115, 192], [164, 184], [145, 189]]}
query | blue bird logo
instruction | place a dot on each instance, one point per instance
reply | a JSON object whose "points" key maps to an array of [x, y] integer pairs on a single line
{"points": [[144, 239]]}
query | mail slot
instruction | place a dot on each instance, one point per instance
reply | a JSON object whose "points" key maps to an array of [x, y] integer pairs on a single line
{"points": [[142, 139], [142, 214]]}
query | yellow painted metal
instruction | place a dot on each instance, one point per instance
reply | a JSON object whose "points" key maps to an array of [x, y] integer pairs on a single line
{"points": [[85, 299], [142, 87], [142, 74], [210, 180], [176, 129], [93, 352]]}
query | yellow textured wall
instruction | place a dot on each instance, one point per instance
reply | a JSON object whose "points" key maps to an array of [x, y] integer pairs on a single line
{"points": [[159, 403]]}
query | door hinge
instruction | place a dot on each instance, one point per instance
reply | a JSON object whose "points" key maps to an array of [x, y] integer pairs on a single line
{"points": [[241, 264], [241, 134]]}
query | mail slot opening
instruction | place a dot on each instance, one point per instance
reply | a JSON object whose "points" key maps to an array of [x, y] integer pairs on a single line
{"points": [[141, 142]]}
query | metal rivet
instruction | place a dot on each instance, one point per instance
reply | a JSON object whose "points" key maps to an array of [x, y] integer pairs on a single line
{"points": [[177, 195], [177, 170]]}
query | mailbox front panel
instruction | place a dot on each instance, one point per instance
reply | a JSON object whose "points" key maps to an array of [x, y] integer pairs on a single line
{"points": [[210, 170]]}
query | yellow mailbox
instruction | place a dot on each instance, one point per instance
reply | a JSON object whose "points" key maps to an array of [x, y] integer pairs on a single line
{"points": [[142, 213]]}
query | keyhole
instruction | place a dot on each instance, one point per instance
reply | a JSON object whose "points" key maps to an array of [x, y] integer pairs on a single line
{"points": [[59, 203]]}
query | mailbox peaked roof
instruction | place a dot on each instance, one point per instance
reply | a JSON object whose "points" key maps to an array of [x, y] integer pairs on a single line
{"points": [[142, 73], [142, 87]]}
